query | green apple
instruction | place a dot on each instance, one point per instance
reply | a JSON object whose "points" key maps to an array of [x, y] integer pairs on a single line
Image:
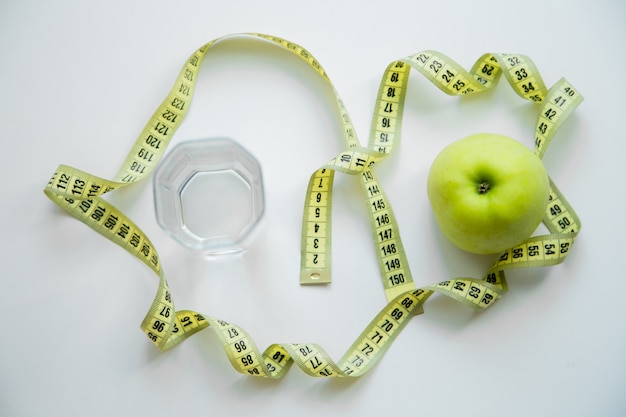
{"points": [[488, 192]]}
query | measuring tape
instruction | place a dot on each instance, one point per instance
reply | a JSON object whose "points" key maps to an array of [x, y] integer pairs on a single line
{"points": [[80, 194]]}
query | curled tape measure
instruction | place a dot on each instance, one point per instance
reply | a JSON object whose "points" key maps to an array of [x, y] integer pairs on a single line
{"points": [[80, 194]]}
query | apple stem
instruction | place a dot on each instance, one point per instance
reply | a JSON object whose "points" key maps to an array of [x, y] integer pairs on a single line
{"points": [[483, 187]]}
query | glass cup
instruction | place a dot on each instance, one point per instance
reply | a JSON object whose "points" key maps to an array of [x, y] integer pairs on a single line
{"points": [[208, 195]]}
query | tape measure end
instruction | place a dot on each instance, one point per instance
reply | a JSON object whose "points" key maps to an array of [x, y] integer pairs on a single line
{"points": [[314, 277]]}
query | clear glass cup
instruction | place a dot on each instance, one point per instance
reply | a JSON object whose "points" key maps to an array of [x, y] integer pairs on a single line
{"points": [[208, 195]]}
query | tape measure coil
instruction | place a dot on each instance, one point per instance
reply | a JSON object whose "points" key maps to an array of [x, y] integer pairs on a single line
{"points": [[80, 194]]}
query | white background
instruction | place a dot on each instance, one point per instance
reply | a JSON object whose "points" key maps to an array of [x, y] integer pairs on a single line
{"points": [[78, 81]]}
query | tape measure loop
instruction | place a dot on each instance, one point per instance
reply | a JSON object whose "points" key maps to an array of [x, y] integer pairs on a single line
{"points": [[80, 194]]}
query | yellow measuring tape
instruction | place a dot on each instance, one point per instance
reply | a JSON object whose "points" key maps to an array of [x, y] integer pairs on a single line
{"points": [[80, 194]]}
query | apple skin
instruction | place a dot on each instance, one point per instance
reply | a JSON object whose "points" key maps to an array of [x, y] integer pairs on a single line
{"points": [[488, 192]]}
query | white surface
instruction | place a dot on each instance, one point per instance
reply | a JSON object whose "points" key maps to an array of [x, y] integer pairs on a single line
{"points": [[80, 79]]}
